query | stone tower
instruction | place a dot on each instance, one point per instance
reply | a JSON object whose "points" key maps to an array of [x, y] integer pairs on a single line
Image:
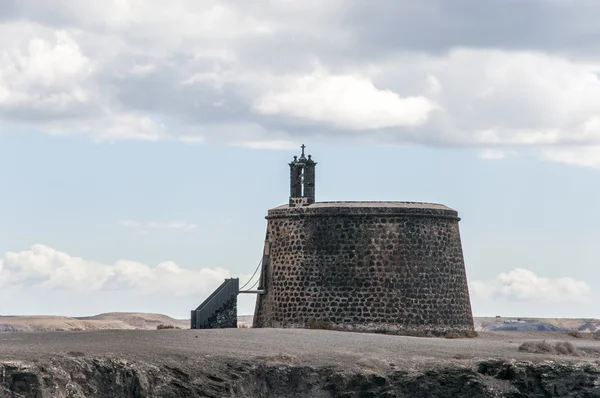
{"points": [[394, 267]]}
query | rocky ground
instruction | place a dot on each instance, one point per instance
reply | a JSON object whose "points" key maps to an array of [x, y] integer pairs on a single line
{"points": [[293, 363]]}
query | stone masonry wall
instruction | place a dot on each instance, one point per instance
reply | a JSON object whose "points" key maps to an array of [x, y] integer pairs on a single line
{"points": [[392, 267]]}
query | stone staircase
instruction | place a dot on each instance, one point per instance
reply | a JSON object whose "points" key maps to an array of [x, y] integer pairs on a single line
{"points": [[219, 310]]}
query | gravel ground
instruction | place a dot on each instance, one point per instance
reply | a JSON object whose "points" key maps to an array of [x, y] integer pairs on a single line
{"points": [[310, 347]]}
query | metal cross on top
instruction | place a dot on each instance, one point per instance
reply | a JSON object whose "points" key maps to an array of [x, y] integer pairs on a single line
{"points": [[303, 146]]}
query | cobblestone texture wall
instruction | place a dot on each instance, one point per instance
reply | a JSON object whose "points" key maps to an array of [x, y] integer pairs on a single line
{"points": [[226, 318], [387, 267]]}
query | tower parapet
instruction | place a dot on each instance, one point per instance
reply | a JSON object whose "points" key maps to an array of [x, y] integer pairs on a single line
{"points": [[302, 180]]}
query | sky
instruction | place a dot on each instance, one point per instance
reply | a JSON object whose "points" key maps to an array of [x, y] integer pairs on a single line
{"points": [[142, 141]]}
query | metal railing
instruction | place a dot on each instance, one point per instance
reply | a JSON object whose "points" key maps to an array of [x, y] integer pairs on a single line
{"points": [[215, 302]]}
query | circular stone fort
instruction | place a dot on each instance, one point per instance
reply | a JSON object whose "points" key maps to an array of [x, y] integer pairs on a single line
{"points": [[388, 267]]}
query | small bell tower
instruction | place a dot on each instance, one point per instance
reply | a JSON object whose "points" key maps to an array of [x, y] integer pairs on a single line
{"points": [[302, 180]]}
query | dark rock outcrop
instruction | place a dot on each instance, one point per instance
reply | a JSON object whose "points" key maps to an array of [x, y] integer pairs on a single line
{"points": [[76, 376]]}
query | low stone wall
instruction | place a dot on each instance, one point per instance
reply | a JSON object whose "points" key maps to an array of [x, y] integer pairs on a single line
{"points": [[390, 267]]}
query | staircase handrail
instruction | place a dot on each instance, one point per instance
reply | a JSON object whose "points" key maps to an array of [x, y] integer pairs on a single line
{"points": [[213, 294]]}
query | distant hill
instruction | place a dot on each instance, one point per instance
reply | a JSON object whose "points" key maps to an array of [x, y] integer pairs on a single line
{"points": [[139, 320], [113, 320], [490, 324], [148, 321]]}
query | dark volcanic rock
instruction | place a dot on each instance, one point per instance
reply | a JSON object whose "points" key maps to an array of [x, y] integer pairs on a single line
{"points": [[77, 376]]}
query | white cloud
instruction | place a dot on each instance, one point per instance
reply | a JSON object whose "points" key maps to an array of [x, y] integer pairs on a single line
{"points": [[51, 83], [524, 285], [145, 226], [496, 154], [192, 139], [492, 154], [345, 101], [47, 268], [129, 224], [141, 70], [244, 74], [585, 156], [496, 97], [47, 75], [176, 20], [280, 145], [109, 126], [46, 281], [171, 225]]}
